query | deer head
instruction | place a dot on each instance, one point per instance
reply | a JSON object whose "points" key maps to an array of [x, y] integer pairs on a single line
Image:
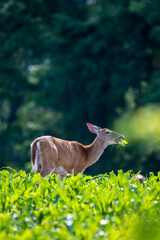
{"points": [[108, 136]]}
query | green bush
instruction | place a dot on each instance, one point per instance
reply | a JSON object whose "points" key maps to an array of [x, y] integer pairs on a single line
{"points": [[106, 206]]}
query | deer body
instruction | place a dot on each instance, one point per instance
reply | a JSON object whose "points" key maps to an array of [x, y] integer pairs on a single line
{"points": [[53, 155]]}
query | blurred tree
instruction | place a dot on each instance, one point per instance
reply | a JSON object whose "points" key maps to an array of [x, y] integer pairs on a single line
{"points": [[68, 63], [22, 42]]}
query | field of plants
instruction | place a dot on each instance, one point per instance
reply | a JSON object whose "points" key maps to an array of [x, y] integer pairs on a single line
{"points": [[109, 206]]}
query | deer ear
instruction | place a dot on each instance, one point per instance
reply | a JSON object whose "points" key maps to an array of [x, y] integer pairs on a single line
{"points": [[92, 128]]}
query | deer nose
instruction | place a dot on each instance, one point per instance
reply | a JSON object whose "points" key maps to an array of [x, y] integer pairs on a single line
{"points": [[119, 136]]}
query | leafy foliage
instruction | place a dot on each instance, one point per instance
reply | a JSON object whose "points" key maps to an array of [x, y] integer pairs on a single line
{"points": [[106, 206], [68, 63]]}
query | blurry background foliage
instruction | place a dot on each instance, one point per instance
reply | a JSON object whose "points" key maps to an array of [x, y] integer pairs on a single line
{"points": [[65, 63]]}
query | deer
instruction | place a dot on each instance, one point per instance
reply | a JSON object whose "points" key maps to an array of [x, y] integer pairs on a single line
{"points": [[51, 155]]}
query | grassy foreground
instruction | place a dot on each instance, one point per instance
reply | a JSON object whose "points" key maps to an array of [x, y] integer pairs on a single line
{"points": [[83, 207]]}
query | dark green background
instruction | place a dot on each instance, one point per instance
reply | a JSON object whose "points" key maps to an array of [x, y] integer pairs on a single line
{"points": [[65, 63]]}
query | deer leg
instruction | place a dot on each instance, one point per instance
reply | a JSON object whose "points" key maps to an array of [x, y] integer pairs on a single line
{"points": [[62, 173], [46, 157]]}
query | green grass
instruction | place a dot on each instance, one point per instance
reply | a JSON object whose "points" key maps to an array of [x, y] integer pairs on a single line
{"points": [[83, 207]]}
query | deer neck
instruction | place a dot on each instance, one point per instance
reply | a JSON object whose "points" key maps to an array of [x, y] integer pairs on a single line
{"points": [[95, 150]]}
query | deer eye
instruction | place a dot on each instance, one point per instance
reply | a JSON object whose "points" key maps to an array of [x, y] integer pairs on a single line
{"points": [[107, 132]]}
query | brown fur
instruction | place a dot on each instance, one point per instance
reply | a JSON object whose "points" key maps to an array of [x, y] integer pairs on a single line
{"points": [[54, 155]]}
